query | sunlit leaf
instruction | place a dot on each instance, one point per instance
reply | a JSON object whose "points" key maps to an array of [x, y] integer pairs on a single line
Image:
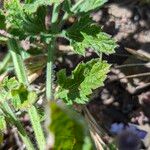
{"points": [[79, 85], [23, 98], [85, 34]]}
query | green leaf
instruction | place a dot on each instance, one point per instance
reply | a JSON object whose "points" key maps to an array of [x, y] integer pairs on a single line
{"points": [[82, 6], [2, 123], [14, 16], [2, 20], [20, 95], [5, 88], [34, 23], [79, 85], [69, 129], [10, 84], [88, 5], [23, 98], [22, 20], [32, 5], [85, 34]]}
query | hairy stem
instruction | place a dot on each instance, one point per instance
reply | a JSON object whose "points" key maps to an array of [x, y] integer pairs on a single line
{"points": [[5, 62], [49, 71], [15, 121], [18, 61], [22, 77], [51, 49], [35, 120]]}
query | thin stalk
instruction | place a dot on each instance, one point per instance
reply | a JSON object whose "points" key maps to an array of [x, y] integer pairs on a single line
{"points": [[15, 121], [133, 65], [55, 13], [5, 62], [66, 15], [136, 75], [22, 77], [50, 59], [49, 71], [35, 120], [17, 61]]}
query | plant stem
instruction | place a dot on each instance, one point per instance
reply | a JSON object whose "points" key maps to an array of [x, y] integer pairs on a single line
{"points": [[17, 60], [49, 71], [133, 65], [66, 15], [22, 77], [15, 121], [51, 49], [5, 62], [136, 75], [55, 13], [35, 120]]}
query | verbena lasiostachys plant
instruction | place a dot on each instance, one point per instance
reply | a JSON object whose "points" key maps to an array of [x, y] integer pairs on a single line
{"points": [[31, 29]]}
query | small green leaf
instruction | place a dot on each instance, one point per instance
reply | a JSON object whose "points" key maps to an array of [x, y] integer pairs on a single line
{"points": [[69, 129], [5, 88], [10, 84], [22, 98], [79, 85], [20, 95], [14, 15], [85, 34]]}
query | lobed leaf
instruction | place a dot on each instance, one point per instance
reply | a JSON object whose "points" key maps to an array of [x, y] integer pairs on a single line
{"points": [[22, 98], [5, 88], [79, 85], [20, 95], [85, 34]]}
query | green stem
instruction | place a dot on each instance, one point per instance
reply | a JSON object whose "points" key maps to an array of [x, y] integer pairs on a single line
{"points": [[49, 71], [18, 61], [5, 62], [22, 77], [51, 49], [66, 15], [15, 121], [55, 13], [35, 120]]}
